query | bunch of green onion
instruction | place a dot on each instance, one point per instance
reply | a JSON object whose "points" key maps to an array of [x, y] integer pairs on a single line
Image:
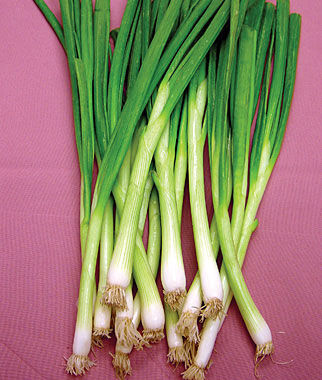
{"points": [[181, 71]]}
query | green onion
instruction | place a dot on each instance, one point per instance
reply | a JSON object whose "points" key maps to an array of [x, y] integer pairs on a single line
{"points": [[211, 328], [255, 323], [211, 289], [152, 313], [81, 345], [102, 314], [144, 78], [176, 348], [187, 323], [125, 321], [154, 242], [121, 361], [125, 332], [177, 353], [169, 93], [181, 160], [138, 110], [172, 270], [242, 117], [81, 79], [151, 332]]}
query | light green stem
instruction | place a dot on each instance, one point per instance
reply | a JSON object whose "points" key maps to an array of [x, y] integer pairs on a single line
{"points": [[171, 239], [86, 289], [154, 242], [106, 251], [251, 315], [125, 243]]}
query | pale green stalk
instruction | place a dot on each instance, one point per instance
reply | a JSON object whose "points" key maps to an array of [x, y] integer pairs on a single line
{"points": [[211, 328], [121, 361], [172, 269], [181, 160], [212, 290], [176, 353], [102, 313], [170, 89]]}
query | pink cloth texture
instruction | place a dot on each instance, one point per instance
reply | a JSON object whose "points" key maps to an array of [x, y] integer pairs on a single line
{"points": [[40, 258]]}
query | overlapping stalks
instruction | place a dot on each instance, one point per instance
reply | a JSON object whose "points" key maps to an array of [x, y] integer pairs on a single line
{"points": [[181, 71]]}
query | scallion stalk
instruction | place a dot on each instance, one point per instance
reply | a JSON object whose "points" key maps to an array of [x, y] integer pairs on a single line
{"points": [[121, 361], [163, 45], [176, 353], [152, 313], [125, 332], [153, 255], [125, 329], [181, 159], [172, 269], [102, 313], [170, 89], [211, 328], [115, 294], [127, 117], [255, 323], [187, 324], [208, 270]]}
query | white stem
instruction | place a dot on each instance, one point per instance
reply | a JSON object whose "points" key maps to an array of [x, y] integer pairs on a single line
{"points": [[82, 341], [193, 299], [120, 270], [152, 316], [136, 311], [262, 335], [119, 347], [209, 273], [128, 312], [172, 278], [173, 338], [172, 269], [117, 275], [208, 337], [102, 317]]}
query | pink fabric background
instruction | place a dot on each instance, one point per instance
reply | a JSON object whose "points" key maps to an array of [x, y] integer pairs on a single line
{"points": [[39, 219]]}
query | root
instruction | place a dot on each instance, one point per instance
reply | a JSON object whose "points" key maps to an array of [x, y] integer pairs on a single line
{"points": [[212, 309], [100, 331], [262, 351], [175, 299], [187, 325], [78, 364], [97, 341], [122, 365], [177, 355], [190, 348], [151, 336], [98, 335], [114, 296], [194, 373], [113, 316], [126, 334]]}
